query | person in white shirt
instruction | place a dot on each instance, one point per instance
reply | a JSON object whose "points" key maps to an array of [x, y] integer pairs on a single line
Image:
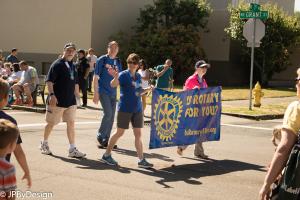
{"points": [[92, 58], [16, 74], [144, 72]]}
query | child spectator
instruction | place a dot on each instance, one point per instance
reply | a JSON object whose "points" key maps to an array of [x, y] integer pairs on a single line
{"points": [[18, 152], [6, 71], [8, 137]]}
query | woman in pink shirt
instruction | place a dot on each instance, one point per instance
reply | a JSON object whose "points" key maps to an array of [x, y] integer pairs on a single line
{"points": [[193, 82]]}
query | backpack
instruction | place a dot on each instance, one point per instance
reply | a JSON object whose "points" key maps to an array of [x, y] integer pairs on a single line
{"points": [[288, 188]]}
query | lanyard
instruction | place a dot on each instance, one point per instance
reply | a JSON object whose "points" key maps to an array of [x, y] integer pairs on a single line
{"points": [[71, 71]]}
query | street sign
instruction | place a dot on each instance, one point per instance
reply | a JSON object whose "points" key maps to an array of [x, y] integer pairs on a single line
{"points": [[254, 31], [254, 13], [255, 7], [257, 15], [248, 30]]}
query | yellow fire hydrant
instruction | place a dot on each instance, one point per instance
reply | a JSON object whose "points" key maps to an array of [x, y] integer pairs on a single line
{"points": [[257, 94]]}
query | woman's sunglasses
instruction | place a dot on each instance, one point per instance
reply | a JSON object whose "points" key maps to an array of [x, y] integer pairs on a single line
{"points": [[297, 79]]}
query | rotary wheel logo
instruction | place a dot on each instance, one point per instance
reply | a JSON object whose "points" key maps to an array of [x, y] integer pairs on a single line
{"points": [[167, 113]]}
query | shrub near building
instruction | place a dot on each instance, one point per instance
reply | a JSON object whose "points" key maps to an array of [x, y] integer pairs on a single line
{"points": [[168, 29]]}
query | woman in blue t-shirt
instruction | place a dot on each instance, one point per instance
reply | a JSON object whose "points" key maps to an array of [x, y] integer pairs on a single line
{"points": [[129, 109]]}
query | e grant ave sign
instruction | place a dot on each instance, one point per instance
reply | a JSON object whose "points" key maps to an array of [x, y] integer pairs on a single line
{"points": [[254, 13]]}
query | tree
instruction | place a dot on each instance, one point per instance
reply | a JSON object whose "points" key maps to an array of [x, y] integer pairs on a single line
{"points": [[168, 29], [282, 33]]}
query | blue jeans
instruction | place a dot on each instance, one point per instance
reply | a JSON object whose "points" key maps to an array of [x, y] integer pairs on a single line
{"points": [[108, 104]]}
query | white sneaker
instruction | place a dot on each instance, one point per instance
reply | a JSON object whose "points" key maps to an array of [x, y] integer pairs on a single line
{"points": [[76, 154], [44, 147]]}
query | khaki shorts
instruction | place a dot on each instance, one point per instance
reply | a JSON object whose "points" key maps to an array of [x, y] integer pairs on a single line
{"points": [[136, 119], [54, 114], [31, 87]]}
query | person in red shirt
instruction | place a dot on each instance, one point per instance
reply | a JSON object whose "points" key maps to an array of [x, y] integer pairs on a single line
{"points": [[193, 82], [8, 137]]}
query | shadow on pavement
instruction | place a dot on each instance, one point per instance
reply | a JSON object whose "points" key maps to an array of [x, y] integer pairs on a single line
{"points": [[92, 164], [147, 155], [189, 173]]}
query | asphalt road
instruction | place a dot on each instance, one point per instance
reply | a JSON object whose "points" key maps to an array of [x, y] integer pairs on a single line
{"points": [[236, 168]]}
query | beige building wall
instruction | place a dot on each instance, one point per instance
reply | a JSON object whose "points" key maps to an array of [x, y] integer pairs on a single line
{"points": [[112, 16], [216, 43], [44, 26]]}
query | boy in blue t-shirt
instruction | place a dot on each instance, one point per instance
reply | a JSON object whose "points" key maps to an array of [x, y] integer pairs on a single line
{"points": [[103, 91], [129, 109]]}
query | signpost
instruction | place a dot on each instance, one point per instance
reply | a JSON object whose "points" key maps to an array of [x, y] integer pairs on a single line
{"points": [[254, 31]]}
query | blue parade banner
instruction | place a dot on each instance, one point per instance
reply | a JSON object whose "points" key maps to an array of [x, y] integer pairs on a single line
{"points": [[186, 117]]}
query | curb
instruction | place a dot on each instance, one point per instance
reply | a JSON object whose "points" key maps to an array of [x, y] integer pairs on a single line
{"points": [[255, 117], [30, 109]]}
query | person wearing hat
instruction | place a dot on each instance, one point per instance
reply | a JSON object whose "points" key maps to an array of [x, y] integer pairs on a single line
{"points": [[83, 69], [103, 91], [12, 57], [196, 81], [62, 82]]}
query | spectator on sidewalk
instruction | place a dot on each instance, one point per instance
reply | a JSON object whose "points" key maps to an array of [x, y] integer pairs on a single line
{"points": [[15, 75], [196, 81], [129, 110], [104, 92], [18, 152], [62, 82], [144, 72], [2, 59], [83, 69], [5, 71], [92, 58], [26, 85], [8, 137], [164, 74], [12, 57]]}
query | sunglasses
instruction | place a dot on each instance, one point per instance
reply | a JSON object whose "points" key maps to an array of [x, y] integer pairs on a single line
{"points": [[131, 62], [297, 79]]}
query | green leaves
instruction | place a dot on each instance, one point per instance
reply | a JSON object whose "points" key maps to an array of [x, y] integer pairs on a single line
{"points": [[168, 29]]}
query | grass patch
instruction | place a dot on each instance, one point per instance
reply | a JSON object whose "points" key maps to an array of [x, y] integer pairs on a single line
{"points": [[243, 93], [229, 93], [271, 109]]}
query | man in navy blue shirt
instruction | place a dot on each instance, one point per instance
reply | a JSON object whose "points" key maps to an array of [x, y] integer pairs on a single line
{"points": [[129, 110], [62, 82], [12, 57], [105, 66]]}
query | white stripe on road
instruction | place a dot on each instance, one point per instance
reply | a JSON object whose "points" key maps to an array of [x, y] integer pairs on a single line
{"points": [[15, 113], [250, 127], [60, 124], [98, 122]]}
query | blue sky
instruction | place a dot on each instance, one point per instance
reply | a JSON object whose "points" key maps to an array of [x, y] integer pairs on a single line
{"points": [[297, 5]]}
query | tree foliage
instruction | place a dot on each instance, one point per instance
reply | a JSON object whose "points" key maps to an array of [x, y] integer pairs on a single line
{"points": [[168, 29], [282, 32]]}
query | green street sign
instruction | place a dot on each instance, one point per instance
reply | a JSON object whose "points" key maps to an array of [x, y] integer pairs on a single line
{"points": [[254, 7], [256, 15]]}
